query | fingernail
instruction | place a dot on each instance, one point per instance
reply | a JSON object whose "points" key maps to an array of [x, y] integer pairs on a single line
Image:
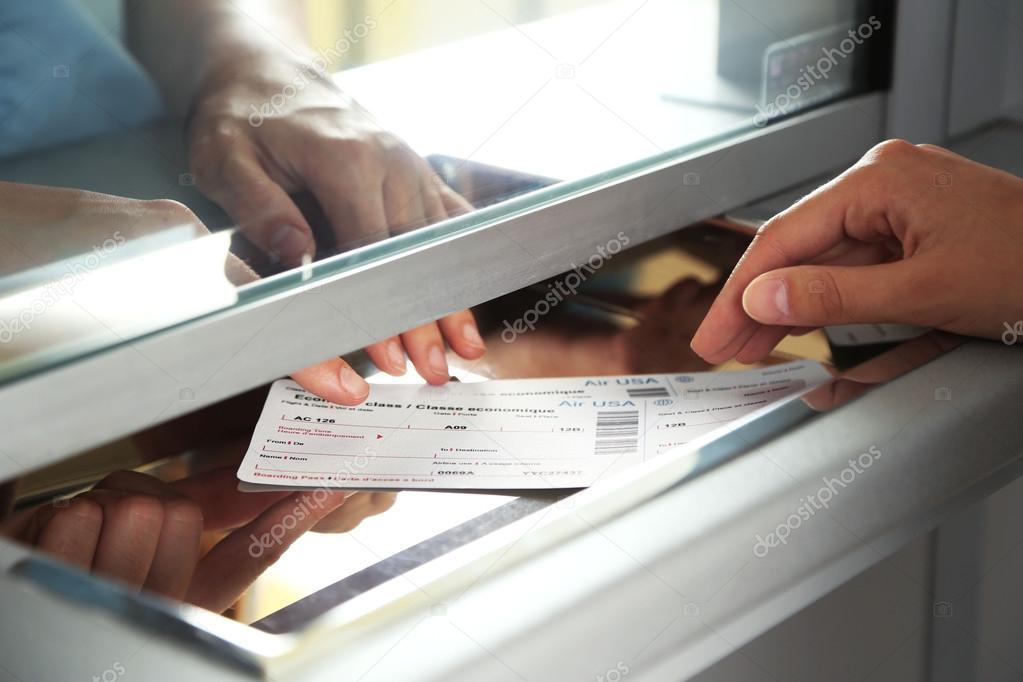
{"points": [[396, 356], [767, 301], [438, 364], [471, 335], [289, 244], [352, 383]]}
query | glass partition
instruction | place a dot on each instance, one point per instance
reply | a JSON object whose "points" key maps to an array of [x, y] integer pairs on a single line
{"points": [[633, 318], [351, 132]]}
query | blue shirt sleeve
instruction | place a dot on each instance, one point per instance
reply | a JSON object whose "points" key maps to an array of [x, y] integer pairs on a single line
{"points": [[64, 78]]}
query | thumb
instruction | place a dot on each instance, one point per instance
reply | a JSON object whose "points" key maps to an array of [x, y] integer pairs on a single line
{"points": [[816, 296]]}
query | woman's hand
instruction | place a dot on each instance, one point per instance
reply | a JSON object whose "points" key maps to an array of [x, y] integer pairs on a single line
{"points": [[910, 234], [146, 534]]}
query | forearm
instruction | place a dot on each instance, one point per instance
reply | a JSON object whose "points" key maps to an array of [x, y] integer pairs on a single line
{"points": [[189, 45]]}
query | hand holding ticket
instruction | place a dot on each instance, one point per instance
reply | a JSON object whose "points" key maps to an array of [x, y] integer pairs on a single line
{"points": [[511, 434]]}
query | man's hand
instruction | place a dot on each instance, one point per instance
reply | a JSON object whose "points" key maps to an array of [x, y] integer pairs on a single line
{"points": [[265, 123], [369, 183], [910, 234], [251, 145]]}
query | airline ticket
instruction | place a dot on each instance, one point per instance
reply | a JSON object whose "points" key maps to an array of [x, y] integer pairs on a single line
{"points": [[508, 434]]}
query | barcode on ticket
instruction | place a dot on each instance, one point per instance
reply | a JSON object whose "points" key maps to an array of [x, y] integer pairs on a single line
{"points": [[648, 392], [617, 432]]}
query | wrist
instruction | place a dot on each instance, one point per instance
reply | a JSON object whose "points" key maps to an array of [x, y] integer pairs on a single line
{"points": [[255, 78]]}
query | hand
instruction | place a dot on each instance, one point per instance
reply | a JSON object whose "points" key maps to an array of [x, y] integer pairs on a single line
{"points": [[146, 534], [46, 224], [356, 508], [910, 234], [43, 224], [249, 155]]}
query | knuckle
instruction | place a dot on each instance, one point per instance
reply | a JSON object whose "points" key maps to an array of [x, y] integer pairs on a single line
{"points": [[353, 150], [210, 152], [891, 151], [403, 162], [172, 211], [221, 134], [352, 161]]}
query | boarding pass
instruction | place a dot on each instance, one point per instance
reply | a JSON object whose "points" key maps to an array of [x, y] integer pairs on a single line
{"points": [[508, 434]]}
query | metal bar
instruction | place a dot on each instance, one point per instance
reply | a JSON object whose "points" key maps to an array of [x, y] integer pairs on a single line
{"points": [[918, 107]]}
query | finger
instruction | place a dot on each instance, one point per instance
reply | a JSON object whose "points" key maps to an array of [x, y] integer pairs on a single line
{"points": [[23, 526], [130, 534], [355, 509], [223, 505], [462, 334], [403, 202], [334, 380], [354, 207], [71, 533], [848, 253], [263, 210], [178, 546], [389, 356], [454, 203], [178, 549], [813, 295], [235, 562], [761, 343], [425, 347], [807, 230], [433, 205]]}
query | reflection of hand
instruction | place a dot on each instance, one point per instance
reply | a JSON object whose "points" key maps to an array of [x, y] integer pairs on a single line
{"points": [[910, 234], [354, 510], [146, 533], [580, 345], [369, 183], [880, 369], [660, 343]]}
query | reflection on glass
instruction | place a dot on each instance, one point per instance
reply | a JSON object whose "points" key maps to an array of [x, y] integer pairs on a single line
{"points": [[883, 368]]}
